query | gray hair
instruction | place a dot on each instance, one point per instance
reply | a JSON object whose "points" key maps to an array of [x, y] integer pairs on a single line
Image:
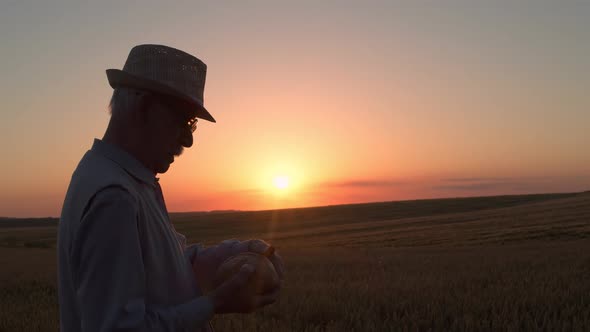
{"points": [[124, 100]]}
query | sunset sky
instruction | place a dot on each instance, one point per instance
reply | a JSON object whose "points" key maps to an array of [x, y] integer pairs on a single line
{"points": [[334, 101]]}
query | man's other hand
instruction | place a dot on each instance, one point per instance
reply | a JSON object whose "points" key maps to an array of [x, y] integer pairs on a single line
{"points": [[260, 247], [208, 260], [227, 297]]}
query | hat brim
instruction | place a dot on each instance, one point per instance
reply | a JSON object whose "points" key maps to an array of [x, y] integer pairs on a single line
{"points": [[119, 78]]}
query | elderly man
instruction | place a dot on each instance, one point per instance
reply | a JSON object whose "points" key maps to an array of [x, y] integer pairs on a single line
{"points": [[122, 265]]}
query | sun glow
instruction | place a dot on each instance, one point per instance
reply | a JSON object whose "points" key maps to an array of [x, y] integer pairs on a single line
{"points": [[281, 182]]}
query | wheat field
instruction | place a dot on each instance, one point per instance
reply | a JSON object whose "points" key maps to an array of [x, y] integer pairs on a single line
{"points": [[506, 263]]}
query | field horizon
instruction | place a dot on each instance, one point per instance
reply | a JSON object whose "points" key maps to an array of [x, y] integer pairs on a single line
{"points": [[200, 212]]}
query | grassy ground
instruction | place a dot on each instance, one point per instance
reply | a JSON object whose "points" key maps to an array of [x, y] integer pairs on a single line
{"points": [[491, 264]]}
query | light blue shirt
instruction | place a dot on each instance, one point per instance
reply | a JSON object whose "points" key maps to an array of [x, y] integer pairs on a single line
{"points": [[122, 265]]}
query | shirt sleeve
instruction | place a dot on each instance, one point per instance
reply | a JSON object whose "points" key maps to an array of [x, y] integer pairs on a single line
{"points": [[109, 277], [218, 253], [190, 251]]}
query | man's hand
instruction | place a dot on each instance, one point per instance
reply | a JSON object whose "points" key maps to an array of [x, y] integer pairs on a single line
{"points": [[208, 260], [261, 247], [227, 299]]}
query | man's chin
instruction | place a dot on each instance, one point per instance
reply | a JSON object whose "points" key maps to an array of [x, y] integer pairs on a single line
{"points": [[163, 168]]}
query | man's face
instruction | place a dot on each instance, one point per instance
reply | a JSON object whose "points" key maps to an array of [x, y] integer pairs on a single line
{"points": [[167, 133]]}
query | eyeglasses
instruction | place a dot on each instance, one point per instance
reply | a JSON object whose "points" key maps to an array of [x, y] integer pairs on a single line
{"points": [[190, 123]]}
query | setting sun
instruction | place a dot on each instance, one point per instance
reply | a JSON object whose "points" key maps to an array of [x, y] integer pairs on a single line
{"points": [[281, 182]]}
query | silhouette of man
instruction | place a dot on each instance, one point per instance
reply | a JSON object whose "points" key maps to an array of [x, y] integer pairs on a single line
{"points": [[122, 265]]}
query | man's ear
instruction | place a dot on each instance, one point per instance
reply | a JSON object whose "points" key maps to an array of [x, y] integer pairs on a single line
{"points": [[143, 105]]}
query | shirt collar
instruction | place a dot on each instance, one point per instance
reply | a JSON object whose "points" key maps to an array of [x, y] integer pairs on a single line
{"points": [[122, 158]]}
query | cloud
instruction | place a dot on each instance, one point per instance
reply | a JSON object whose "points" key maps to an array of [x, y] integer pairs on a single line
{"points": [[476, 179], [247, 192], [362, 183], [478, 186], [524, 184]]}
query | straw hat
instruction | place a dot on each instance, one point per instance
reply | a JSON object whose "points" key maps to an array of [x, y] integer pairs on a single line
{"points": [[165, 70]]}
